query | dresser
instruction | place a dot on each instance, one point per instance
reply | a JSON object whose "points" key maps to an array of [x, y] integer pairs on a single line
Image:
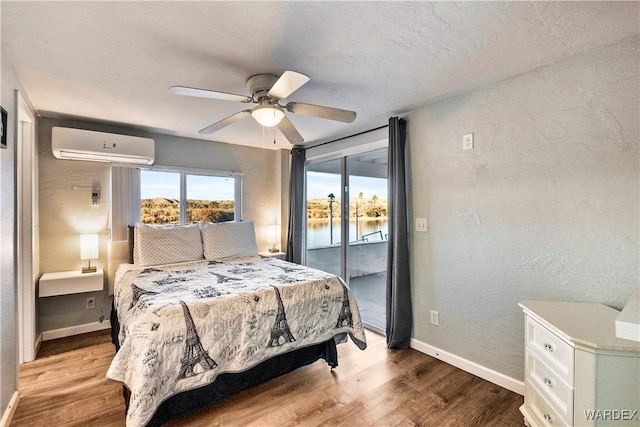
{"points": [[577, 372]]}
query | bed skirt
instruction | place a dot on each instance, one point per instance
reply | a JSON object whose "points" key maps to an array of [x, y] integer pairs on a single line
{"points": [[228, 384]]}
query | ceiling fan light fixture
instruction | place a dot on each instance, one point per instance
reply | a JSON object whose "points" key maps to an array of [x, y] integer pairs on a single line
{"points": [[268, 115]]}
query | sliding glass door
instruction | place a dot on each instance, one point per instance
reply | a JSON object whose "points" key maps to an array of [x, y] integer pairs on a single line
{"points": [[367, 249], [347, 226], [324, 214]]}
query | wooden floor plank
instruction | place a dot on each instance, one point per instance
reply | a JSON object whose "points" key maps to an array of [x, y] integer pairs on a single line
{"points": [[66, 386]]}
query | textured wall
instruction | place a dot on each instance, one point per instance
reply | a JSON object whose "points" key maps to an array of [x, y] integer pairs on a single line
{"points": [[9, 83], [260, 192], [544, 207], [8, 338], [65, 213]]}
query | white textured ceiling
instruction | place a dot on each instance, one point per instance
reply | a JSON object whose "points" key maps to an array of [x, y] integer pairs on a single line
{"points": [[115, 61]]}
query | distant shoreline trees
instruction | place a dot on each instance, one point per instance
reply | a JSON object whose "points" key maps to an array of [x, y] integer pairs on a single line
{"points": [[167, 211], [374, 207]]}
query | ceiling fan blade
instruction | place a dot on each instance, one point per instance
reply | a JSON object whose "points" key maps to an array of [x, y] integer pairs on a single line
{"points": [[211, 94], [226, 122], [322, 112], [290, 132], [289, 82]]}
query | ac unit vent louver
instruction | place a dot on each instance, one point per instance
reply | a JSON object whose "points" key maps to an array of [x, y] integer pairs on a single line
{"points": [[80, 144]]}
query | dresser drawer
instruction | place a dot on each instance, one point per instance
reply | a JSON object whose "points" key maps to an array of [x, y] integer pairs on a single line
{"points": [[594, 370], [551, 349], [544, 411], [551, 385]]}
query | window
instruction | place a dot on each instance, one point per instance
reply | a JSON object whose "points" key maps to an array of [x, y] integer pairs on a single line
{"points": [[184, 197], [159, 197]]}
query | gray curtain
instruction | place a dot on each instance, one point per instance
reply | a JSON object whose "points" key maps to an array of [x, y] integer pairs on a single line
{"points": [[399, 317], [296, 206]]}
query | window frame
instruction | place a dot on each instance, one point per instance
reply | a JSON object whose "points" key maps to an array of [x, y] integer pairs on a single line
{"points": [[183, 172]]}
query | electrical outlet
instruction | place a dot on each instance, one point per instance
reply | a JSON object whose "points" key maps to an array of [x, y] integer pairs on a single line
{"points": [[91, 303], [421, 224], [434, 317]]}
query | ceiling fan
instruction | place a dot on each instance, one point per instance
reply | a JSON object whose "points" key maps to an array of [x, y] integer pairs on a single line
{"points": [[268, 91]]}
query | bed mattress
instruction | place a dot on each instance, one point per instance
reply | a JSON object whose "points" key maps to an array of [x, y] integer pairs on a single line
{"points": [[182, 325]]}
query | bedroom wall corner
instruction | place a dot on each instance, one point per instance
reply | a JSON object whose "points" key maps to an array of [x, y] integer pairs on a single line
{"points": [[8, 289], [258, 166], [545, 205], [66, 212], [284, 170], [9, 339]]}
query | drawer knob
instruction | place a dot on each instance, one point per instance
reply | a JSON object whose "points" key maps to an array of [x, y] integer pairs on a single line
{"points": [[547, 417], [548, 347], [548, 382]]}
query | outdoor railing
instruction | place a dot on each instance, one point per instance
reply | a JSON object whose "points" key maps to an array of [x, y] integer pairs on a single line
{"points": [[364, 258]]}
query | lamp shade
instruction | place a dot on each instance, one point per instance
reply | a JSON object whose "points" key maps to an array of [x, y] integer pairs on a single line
{"points": [[272, 234], [268, 115], [88, 246]]}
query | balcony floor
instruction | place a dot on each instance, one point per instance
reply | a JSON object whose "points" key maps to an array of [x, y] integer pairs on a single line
{"points": [[370, 293]]}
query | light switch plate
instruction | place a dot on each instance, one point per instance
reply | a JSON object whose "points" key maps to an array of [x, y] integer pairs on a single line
{"points": [[434, 318], [421, 224], [467, 141]]}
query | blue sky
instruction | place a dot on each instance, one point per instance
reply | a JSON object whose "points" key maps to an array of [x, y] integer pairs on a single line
{"points": [[199, 187], [320, 184]]}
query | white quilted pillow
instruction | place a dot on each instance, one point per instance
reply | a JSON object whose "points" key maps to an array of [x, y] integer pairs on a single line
{"points": [[228, 239], [167, 244]]}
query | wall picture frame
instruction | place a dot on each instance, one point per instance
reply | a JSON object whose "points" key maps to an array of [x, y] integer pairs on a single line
{"points": [[3, 129]]}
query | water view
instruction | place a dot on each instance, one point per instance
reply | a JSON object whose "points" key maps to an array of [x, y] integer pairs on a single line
{"points": [[359, 180], [368, 230]]}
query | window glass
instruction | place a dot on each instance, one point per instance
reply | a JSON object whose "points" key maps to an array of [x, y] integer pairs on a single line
{"points": [[179, 197], [210, 198], [323, 206], [160, 197]]}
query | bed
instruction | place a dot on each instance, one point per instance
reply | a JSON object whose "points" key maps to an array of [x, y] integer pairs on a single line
{"points": [[199, 316]]}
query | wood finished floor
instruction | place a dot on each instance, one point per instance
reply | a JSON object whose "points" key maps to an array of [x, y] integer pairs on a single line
{"points": [[66, 386]]}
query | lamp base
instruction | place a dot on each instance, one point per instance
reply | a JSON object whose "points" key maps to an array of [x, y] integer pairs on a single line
{"points": [[89, 270], [274, 250]]}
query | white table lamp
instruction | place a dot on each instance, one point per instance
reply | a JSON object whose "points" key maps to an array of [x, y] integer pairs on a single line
{"points": [[89, 250], [272, 237]]}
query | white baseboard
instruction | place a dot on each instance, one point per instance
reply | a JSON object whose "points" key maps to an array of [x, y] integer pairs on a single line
{"points": [[75, 330], [38, 343], [483, 372], [11, 409]]}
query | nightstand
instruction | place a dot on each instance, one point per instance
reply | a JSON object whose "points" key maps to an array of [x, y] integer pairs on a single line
{"points": [[70, 282], [267, 254]]}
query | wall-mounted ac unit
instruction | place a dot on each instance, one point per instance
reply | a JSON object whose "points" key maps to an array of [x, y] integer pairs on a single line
{"points": [[80, 144]]}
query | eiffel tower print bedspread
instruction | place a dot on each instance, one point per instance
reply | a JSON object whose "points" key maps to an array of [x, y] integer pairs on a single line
{"points": [[183, 324]]}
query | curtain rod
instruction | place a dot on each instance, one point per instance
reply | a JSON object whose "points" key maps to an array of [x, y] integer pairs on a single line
{"points": [[345, 137]]}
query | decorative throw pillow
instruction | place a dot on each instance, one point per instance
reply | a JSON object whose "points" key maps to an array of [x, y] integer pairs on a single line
{"points": [[228, 239], [157, 245]]}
